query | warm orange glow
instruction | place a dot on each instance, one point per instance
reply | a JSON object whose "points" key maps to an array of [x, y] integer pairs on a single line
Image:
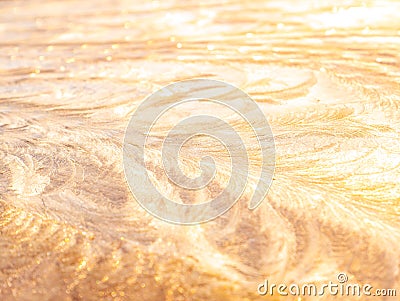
{"points": [[325, 73]]}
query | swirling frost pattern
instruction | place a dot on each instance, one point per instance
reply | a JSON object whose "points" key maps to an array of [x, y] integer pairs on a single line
{"points": [[326, 75]]}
